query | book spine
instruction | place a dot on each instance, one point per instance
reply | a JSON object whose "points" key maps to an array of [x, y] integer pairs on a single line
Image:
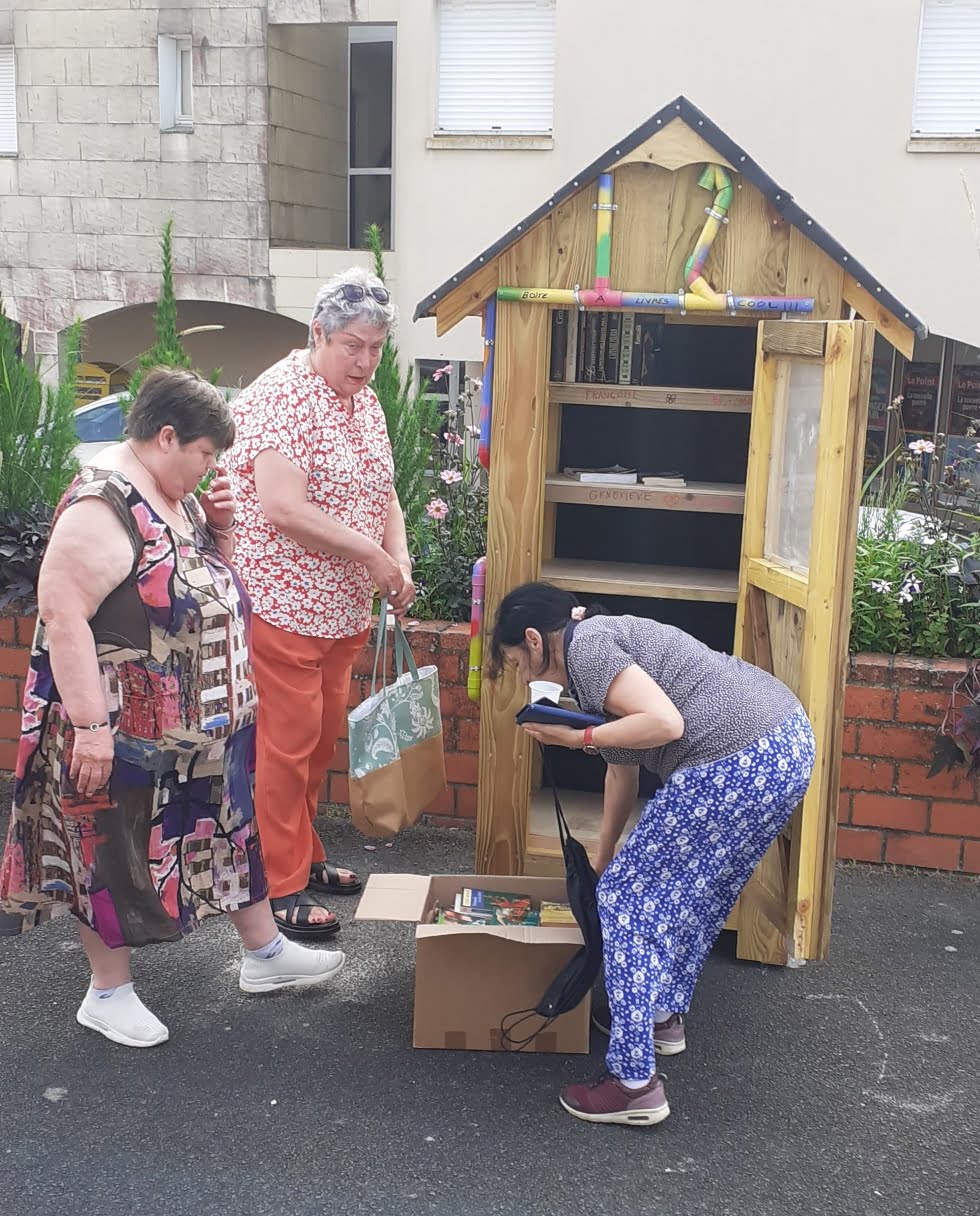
{"points": [[591, 346], [612, 347], [571, 356], [600, 355], [583, 318], [559, 343], [626, 347], [636, 358]]}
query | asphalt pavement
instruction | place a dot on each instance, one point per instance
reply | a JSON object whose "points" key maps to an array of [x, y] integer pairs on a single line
{"points": [[840, 1088]]}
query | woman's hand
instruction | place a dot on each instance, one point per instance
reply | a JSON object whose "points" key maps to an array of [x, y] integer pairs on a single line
{"points": [[388, 576], [405, 598], [556, 736], [218, 501], [91, 760]]}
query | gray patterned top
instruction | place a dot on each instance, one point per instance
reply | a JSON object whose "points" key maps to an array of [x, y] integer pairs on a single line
{"points": [[725, 702]]}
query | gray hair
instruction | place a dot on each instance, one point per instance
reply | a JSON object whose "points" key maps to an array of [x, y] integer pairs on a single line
{"points": [[334, 312]]}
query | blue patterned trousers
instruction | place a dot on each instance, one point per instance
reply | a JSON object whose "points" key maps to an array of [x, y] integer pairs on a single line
{"points": [[666, 896]]}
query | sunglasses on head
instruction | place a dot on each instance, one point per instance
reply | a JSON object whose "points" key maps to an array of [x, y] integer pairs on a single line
{"points": [[354, 293]]}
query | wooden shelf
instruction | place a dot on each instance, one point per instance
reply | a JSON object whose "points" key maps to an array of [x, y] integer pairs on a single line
{"points": [[715, 496], [583, 812], [719, 401], [653, 582]]}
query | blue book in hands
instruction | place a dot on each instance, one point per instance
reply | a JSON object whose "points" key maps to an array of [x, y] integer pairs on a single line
{"points": [[549, 714]]}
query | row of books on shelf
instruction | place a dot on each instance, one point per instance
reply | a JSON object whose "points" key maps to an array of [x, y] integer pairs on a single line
{"points": [[605, 347], [475, 906], [619, 475]]}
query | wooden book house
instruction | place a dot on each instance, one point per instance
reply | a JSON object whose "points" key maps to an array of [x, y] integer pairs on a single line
{"points": [[674, 311]]}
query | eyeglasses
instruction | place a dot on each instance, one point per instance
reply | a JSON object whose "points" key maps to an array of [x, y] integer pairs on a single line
{"points": [[354, 293]]}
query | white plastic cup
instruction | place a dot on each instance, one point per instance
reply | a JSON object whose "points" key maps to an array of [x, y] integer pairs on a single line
{"points": [[545, 690]]}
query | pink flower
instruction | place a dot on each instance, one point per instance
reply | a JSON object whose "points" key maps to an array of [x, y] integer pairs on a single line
{"points": [[438, 374], [475, 432], [453, 439], [438, 508], [451, 476]]}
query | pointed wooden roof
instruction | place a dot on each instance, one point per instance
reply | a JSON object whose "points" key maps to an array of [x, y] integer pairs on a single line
{"points": [[869, 296]]}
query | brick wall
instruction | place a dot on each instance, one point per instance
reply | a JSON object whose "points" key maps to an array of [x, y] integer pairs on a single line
{"points": [[16, 633], [890, 810]]}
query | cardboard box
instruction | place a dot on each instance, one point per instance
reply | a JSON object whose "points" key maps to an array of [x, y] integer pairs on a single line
{"points": [[469, 977]]}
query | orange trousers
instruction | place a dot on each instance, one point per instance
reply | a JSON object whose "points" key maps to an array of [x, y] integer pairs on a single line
{"points": [[303, 685]]}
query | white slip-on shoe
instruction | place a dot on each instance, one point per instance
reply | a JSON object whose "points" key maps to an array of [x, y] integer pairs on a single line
{"points": [[122, 1017], [295, 966]]}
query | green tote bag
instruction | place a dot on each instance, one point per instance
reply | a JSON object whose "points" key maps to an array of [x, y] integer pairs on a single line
{"points": [[397, 762]]}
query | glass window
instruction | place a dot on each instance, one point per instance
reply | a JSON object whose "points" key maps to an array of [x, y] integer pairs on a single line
{"points": [[963, 436], [496, 67], [947, 99], [370, 131], [100, 424], [793, 471]]}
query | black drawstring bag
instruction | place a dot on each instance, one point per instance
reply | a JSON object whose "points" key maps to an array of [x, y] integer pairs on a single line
{"points": [[574, 982]]}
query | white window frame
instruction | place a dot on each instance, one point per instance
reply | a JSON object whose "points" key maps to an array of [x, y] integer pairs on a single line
{"points": [[446, 129], [361, 34], [8, 101], [176, 58], [933, 134]]}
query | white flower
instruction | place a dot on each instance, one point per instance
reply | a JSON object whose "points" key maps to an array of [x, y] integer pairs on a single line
{"points": [[881, 585], [912, 586], [922, 447], [451, 476]]}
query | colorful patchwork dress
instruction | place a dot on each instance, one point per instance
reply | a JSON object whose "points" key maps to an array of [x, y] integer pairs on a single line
{"points": [[173, 836]]}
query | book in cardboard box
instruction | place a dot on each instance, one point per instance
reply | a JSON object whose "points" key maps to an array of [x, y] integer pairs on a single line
{"points": [[469, 977]]}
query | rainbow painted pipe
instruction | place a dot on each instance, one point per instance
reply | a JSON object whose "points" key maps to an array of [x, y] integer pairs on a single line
{"points": [[486, 393], [680, 301], [700, 296], [474, 675]]}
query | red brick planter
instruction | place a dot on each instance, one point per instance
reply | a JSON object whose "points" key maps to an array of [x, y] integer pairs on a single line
{"points": [[890, 810]]}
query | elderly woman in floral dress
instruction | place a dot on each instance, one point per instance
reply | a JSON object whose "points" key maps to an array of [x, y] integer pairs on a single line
{"points": [[320, 527]]}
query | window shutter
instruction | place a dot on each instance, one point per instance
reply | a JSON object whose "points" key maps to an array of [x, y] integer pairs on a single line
{"points": [[8, 103], [947, 88], [496, 67]]}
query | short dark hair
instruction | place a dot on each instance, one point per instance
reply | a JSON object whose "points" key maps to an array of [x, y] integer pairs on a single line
{"points": [[540, 606], [174, 396]]}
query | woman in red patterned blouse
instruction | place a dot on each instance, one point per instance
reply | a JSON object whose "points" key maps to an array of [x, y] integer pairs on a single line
{"points": [[319, 528]]}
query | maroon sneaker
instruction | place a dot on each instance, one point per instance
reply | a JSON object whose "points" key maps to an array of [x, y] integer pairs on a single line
{"points": [[608, 1101], [668, 1037]]}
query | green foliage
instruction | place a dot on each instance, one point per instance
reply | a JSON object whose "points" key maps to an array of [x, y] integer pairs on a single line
{"points": [[914, 588], [37, 459], [453, 530], [37, 427], [411, 415], [168, 350], [23, 535]]}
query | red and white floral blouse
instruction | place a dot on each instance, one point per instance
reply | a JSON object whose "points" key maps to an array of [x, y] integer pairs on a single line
{"points": [[349, 469]]}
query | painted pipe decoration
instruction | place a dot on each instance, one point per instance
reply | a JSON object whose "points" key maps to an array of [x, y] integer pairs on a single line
{"points": [[603, 231], [699, 295], [486, 393], [474, 676]]}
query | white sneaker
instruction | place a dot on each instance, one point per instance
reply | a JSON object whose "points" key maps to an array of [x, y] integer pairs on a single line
{"points": [[294, 967], [122, 1017]]}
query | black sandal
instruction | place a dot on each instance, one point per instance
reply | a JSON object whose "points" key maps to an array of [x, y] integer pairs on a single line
{"points": [[302, 928], [333, 885]]}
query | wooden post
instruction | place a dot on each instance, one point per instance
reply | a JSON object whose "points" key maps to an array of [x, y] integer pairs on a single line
{"points": [[518, 446]]}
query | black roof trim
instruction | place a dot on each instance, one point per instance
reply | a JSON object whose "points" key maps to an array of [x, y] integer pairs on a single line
{"points": [[780, 199]]}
